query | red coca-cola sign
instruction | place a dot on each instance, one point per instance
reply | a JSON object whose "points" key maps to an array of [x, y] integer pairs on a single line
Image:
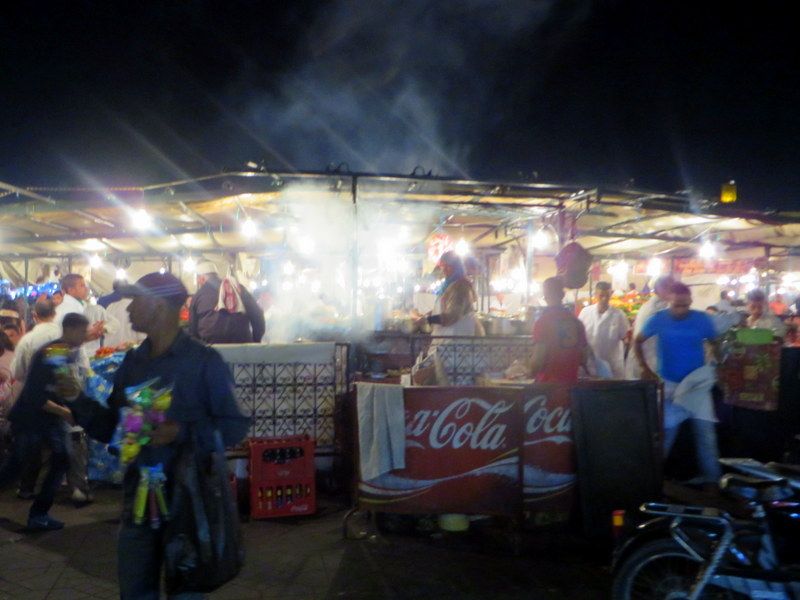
{"points": [[548, 454], [462, 454]]}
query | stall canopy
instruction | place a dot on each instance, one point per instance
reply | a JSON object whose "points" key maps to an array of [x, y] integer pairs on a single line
{"points": [[205, 215]]}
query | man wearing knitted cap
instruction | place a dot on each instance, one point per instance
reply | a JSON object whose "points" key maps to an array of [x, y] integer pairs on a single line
{"points": [[222, 311]]}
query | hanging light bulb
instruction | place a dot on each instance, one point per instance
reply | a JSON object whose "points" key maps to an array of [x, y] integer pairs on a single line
{"points": [[540, 240], [462, 247], [249, 228], [121, 274], [162, 270], [707, 250], [141, 219], [654, 267], [95, 261], [189, 265], [305, 245]]}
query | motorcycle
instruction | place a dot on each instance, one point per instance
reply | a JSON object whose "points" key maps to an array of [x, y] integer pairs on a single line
{"points": [[750, 551]]}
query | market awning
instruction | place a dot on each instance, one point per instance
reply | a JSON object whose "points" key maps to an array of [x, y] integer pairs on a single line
{"points": [[204, 215]]}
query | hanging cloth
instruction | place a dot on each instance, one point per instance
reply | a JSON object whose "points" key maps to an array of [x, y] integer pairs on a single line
{"points": [[230, 300]]}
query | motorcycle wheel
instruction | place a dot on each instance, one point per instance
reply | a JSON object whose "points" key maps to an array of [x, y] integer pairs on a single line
{"points": [[662, 570]]}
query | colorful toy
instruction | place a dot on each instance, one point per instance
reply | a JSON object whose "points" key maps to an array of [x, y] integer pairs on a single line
{"points": [[146, 411]]}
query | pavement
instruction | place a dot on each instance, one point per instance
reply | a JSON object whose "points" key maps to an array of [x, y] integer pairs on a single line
{"points": [[310, 558]]}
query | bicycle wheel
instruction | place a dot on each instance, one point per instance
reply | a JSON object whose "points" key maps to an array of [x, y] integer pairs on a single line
{"points": [[662, 570]]}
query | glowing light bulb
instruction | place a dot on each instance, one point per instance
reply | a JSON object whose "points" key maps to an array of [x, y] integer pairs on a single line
{"points": [[189, 265], [288, 268], [654, 267], [162, 270], [462, 247], [707, 250], [540, 240], [264, 283], [305, 245], [95, 262], [141, 219], [121, 274], [249, 228]]}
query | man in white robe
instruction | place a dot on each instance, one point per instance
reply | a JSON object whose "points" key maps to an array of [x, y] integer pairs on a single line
{"points": [[606, 327]]}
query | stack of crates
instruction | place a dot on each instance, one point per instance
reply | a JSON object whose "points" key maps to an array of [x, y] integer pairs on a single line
{"points": [[282, 477]]}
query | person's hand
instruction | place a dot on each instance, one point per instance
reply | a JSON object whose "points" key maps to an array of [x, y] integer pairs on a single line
{"points": [[68, 417], [166, 433], [67, 387], [95, 331]]}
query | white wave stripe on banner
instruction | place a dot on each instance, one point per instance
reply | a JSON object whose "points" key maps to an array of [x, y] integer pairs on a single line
{"points": [[389, 484]]}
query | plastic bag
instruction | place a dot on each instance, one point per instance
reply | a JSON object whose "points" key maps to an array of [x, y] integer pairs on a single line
{"points": [[203, 546]]}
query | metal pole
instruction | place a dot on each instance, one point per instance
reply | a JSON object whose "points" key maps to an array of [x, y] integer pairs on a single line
{"points": [[26, 276], [354, 252]]}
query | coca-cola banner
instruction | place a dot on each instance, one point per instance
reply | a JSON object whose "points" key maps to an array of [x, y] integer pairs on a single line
{"points": [[548, 455], [462, 454]]}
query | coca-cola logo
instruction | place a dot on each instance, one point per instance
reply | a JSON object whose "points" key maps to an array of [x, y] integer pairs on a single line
{"points": [[456, 426], [545, 424]]}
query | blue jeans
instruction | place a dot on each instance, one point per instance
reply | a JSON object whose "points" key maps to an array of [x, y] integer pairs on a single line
{"points": [[28, 442], [139, 559], [704, 435]]}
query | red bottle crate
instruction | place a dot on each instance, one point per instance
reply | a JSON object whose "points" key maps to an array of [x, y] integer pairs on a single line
{"points": [[282, 477]]}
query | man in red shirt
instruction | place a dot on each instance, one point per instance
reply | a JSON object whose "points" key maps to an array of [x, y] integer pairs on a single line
{"points": [[559, 338]]}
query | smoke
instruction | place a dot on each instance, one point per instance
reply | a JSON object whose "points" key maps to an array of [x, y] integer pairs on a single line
{"points": [[388, 86]]}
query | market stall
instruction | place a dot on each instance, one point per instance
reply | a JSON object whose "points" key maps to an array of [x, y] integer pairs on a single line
{"points": [[349, 257], [503, 449]]}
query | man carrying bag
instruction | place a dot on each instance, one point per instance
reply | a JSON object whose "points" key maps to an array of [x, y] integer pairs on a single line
{"points": [[177, 509]]}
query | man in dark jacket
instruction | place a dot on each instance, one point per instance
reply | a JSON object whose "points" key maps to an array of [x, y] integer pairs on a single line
{"points": [[215, 325], [202, 396], [40, 417]]}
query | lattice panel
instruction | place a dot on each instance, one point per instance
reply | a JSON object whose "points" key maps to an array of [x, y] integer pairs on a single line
{"points": [[292, 398], [465, 359]]}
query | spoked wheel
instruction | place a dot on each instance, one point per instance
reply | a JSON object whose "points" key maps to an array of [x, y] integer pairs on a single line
{"points": [[662, 570]]}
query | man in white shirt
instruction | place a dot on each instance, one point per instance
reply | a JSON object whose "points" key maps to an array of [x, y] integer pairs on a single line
{"points": [[45, 331], [76, 293], [118, 311], [606, 328], [658, 302]]}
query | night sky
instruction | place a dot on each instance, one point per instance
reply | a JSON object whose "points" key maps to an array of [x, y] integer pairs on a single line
{"points": [[612, 93]]}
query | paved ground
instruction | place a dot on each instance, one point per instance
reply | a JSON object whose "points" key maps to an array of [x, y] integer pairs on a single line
{"points": [[305, 559]]}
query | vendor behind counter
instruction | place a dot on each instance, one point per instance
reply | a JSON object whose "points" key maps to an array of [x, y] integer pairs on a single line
{"points": [[454, 310]]}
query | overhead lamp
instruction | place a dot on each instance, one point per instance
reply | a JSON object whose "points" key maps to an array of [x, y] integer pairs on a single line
{"points": [[95, 261], [305, 245], [162, 270], [618, 270], [264, 283], [121, 274], [540, 240], [654, 267], [707, 250], [462, 247], [249, 228], [189, 265], [141, 219]]}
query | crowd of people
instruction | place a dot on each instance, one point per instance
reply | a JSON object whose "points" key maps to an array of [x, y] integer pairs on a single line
{"points": [[670, 342], [44, 406]]}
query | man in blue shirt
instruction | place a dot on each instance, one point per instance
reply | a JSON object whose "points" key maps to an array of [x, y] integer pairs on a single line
{"points": [[682, 333], [202, 395]]}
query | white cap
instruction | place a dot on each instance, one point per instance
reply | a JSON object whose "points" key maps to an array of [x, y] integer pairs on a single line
{"points": [[206, 267]]}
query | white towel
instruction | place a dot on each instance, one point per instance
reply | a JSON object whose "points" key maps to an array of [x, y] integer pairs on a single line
{"points": [[694, 393], [229, 298], [381, 429]]}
